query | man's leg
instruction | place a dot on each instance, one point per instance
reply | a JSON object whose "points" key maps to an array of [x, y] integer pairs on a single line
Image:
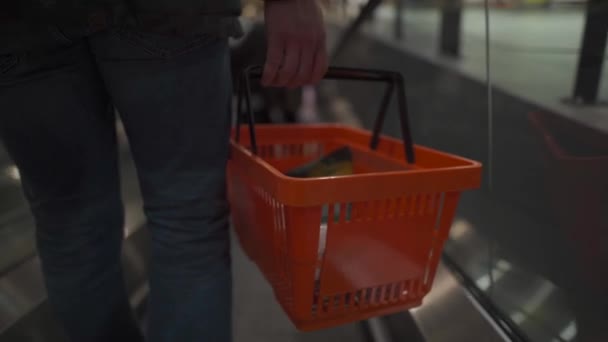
{"points": [[55, 125], [174, 97]]}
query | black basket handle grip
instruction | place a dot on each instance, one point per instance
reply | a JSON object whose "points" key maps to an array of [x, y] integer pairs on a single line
{"points": [[394, 81]]}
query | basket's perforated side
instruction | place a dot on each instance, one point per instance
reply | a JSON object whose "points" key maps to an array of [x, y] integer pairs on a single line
{"points": [[365, 299], [436, 245], [415, 205], [410, 217], [445, 216], [283, 283], [290, 150], [287, 156], [274, 261]]}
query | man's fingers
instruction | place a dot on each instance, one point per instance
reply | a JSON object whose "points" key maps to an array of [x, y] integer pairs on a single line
{"points": [[321, 64], [289, 69], [293, 63], [274, 59], [307, 59]]}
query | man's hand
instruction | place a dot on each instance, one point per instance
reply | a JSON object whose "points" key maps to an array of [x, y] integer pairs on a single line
{"points": [[296, 43]]}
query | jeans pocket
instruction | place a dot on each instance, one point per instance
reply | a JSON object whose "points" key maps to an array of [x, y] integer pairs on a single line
{"points": [[164, 45], [7, 62], [60, 37]]}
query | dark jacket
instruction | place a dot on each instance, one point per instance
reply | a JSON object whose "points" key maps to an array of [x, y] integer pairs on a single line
{"points": [[25, 24], [74, 9]]}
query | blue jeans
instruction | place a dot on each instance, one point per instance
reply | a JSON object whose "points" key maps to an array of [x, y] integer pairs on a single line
{"points": [[173, 95]]}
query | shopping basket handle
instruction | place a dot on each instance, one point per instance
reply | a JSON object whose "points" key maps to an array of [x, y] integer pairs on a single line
{"points": [[394, 81]]}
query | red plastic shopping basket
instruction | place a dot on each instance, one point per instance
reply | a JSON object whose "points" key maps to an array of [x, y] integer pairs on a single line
{"points": [[376, 249]]}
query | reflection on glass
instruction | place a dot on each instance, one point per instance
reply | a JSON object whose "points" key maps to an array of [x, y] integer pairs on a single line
{"points": [[545, 215]]}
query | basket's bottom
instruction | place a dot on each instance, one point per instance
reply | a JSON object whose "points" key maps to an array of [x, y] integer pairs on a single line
{"points": [[324, 323], [323, 320]]}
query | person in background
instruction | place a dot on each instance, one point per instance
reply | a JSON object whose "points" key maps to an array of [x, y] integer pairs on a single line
{"points": [[164, 66]]}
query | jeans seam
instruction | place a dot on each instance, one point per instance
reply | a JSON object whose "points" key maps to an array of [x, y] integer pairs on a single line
{"points": [[7, 63], [136, 39], [60, 37]]}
